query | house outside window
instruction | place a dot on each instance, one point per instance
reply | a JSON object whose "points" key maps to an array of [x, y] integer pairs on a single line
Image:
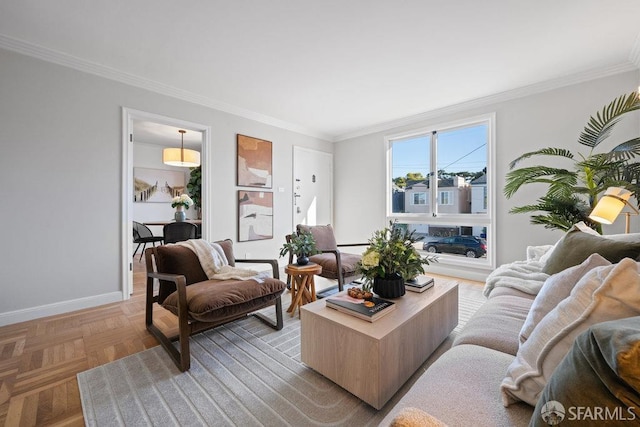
{"points": [[445, 173]]}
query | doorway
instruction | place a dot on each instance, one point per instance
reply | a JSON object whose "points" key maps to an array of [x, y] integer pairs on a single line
{"points": [[312, 187], [129, 118]]}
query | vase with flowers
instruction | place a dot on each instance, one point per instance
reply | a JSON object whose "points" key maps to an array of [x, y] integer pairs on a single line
{"points": [[390, 260], [181, 203]]}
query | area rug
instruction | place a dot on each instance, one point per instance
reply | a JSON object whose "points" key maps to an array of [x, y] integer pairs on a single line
{"points": [[243, 373]]}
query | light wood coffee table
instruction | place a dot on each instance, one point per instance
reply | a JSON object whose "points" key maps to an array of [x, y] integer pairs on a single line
{"points": [[373, 360]]}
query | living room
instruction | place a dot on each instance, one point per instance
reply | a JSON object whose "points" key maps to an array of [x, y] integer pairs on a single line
{"points": [[62, 139]]}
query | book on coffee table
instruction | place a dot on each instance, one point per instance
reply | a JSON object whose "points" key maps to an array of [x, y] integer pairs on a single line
{"points": [[419, 284], [369, 310]]}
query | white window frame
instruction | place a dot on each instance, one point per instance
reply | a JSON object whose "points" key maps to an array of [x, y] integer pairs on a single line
{"points": [[433, 217], [418, 193], [449, 197]]}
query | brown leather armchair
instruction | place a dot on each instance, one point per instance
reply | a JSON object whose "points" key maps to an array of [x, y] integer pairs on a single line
{"points": [[200, 303], [336, 265]]}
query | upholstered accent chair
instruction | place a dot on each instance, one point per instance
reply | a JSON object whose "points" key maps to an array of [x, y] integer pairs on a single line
{"points": [[336, 265], [200, 303]]}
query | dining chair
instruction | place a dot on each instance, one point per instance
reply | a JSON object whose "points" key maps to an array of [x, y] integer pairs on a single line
{"points": [[179, 231], [143, 235]]}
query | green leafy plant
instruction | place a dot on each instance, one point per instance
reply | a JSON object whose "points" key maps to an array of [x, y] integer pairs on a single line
{"points": [[194, 186], [300, 244], [392, 252], [573, 192]]}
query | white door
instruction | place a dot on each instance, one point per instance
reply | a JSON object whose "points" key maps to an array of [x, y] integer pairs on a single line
{"points": [[312, 187]]}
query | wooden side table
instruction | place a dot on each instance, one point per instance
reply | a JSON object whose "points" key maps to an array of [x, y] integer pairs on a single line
{"points": [[303, 287]]}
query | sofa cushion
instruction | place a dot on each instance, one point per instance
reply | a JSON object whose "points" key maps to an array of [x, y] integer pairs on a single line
{"points": [[461, 389], [176, 259], [504, 290], [220, 300], [329, 266], [496, 324], [576, 246], [556, 288], [602, 370], [605, 293], [322, 234]]}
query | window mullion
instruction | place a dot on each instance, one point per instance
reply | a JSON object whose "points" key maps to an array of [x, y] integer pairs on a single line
{"points": [[433, 174]]}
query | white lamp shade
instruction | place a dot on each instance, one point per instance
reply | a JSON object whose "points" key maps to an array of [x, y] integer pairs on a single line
{"points": [[181, 157], [610, 205]]}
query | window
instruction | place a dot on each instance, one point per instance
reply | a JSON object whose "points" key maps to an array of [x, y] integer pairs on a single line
{"points": [[445, 198], [440, 187], [420, 198]]}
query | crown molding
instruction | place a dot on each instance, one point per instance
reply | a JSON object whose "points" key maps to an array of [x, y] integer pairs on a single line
{"points": [[496, 98], [634, 55], [100, 70], [66, 60]]}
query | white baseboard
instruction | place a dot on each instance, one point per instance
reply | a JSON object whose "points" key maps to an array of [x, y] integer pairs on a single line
{"points": [[31, 313]]}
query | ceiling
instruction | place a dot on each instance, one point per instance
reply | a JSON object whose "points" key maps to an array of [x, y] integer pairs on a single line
{"points": [[330, 68], [149, 132]]}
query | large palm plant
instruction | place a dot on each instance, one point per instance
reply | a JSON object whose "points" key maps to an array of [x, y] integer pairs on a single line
{"points": [[573, 192]]}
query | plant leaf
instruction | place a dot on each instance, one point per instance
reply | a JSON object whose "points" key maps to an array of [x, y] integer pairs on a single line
{"points": [[549, 151], [599, 128]]}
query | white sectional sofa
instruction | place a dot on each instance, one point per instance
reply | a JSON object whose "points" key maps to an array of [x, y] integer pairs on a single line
{"points": [[503, 362]]}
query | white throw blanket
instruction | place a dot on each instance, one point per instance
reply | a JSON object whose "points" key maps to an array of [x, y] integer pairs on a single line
{"points": [[525, 276], [215, 264]]}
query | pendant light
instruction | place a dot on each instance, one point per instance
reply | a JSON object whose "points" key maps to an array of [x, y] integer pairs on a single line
{"points": [[181, 156]]}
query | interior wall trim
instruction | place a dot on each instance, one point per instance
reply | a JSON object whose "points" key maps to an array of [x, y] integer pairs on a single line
{"points": [[634, 56], [70, 61], [496, 98], [61, 307]]}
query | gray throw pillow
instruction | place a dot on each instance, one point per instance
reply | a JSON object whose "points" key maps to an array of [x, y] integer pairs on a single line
{"points": [[600, 372], [576, 246]]}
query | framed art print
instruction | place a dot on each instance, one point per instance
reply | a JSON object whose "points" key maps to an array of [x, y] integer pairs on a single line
{"points": [[255, 215], [157, 185], [254, 162]]}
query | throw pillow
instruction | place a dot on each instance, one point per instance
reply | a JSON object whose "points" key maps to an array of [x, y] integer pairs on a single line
{"points": [[555, 289], [580, 226], [602, 370], [605, 293], [576, 246], [534, 253], [414, 417]]}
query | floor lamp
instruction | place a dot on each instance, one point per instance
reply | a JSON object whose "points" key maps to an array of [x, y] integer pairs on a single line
{"points": [[610, 206]]}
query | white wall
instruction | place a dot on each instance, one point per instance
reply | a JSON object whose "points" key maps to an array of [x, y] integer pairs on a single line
{"points": [[549, 119], [61, 175]]}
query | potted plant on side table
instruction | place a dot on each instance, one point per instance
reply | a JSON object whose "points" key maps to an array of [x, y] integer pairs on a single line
{"points": [[302, 245], [390, 260]]}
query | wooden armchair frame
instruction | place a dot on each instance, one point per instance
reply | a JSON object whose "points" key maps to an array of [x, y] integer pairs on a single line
{"points": [[188, 326]]}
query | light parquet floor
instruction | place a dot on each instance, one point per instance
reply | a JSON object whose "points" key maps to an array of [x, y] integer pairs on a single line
{"points": [[39, 359]]}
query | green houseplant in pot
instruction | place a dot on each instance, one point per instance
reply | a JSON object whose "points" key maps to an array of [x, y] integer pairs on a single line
{"points": [[194, 187], [302, 245], [390, 260], [572, 191]]}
